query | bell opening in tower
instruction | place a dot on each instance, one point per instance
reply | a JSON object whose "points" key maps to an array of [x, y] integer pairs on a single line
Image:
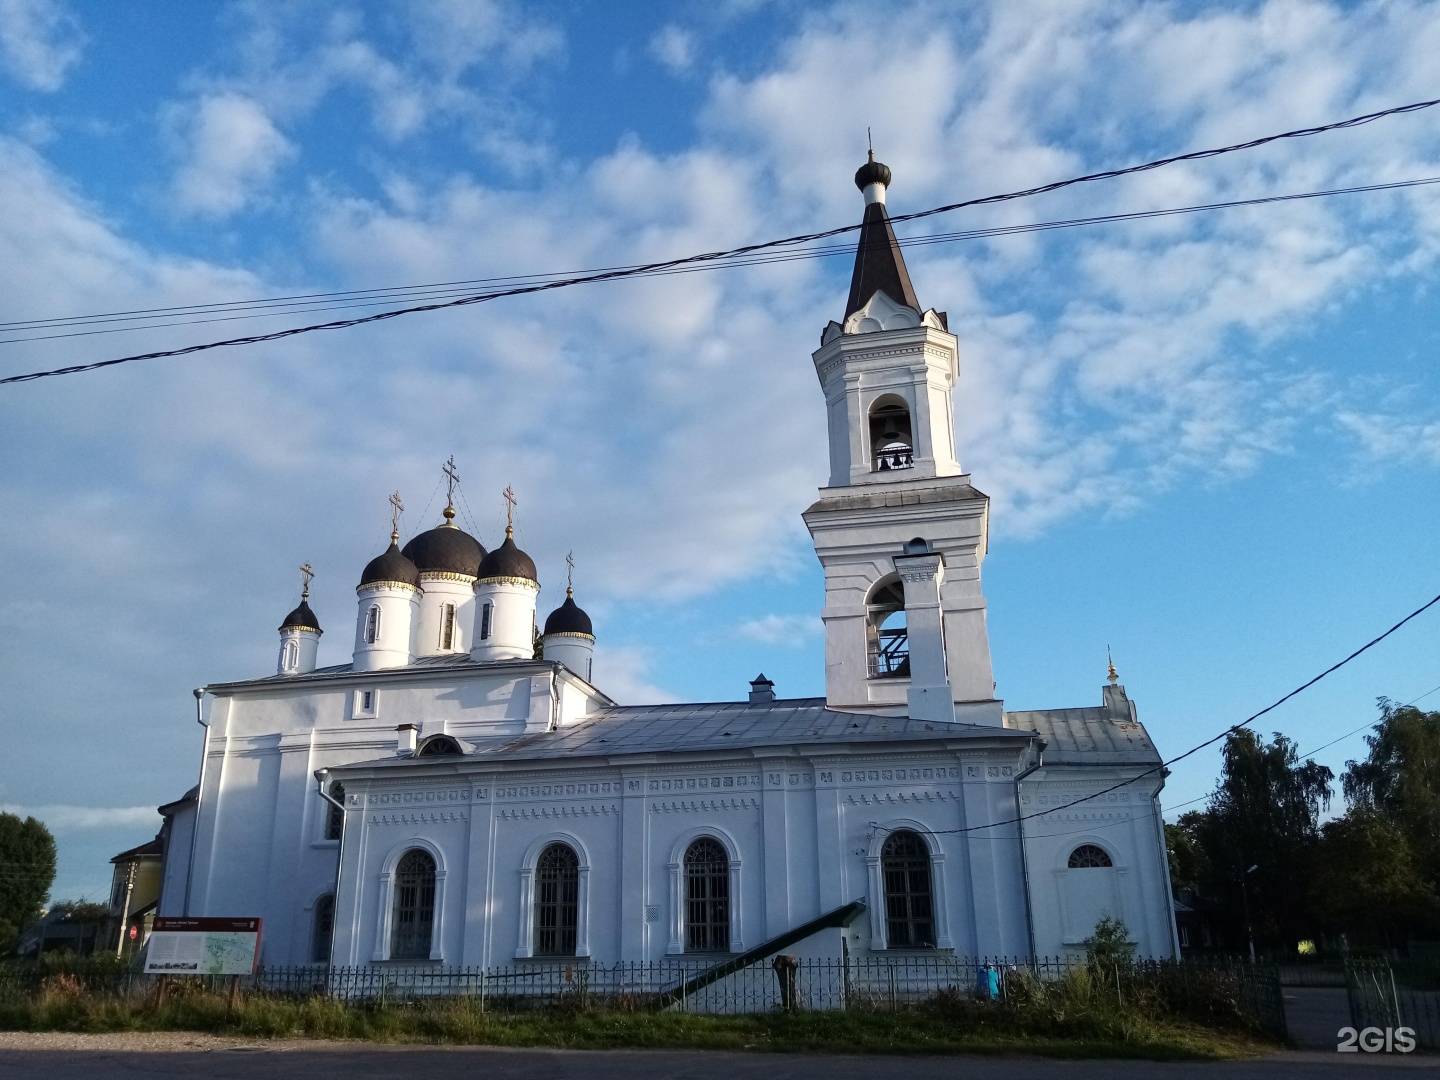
{"points": [[886, 631], [892, 444]]}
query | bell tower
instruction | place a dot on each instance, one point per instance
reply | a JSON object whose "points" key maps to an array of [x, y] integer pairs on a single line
{"points": [[899, 530]]}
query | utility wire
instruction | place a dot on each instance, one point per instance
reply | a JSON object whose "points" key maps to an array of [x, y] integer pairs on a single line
{"points": [[1200, 746], [719, 256], [242, 310]]}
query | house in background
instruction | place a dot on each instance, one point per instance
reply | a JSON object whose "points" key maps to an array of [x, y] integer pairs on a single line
{"points": [[134, 894]]}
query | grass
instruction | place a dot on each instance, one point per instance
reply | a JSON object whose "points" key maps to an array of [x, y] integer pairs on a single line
{"points": [[1056, 1025]]}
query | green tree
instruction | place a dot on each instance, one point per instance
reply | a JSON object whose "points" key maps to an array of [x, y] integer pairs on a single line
{"points": [[1188, 864], [1109, 946], [1264, 814], [1400, 779], [1367, 881], [27, 870]]}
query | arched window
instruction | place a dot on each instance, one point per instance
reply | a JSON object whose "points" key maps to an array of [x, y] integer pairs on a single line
{"points": [[436, 745], [485, 621], [414, 913], [707, 897], [324, 925], [372, 624], [1088, 856], [447, 626], [887, 635], [891, 442], [291, 657], [335, 818], [557, 901], [909, 904]]}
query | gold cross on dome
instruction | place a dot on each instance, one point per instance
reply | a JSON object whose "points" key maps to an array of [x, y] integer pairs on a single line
{"points": [[306, 574], [396, 509], [510, 500], [451, 479]]}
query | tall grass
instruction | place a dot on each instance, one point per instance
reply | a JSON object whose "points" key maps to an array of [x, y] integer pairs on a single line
{"points": [[1079, 1015]]}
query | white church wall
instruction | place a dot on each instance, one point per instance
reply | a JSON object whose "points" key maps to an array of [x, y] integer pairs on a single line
{"points": [[1068, 902]]}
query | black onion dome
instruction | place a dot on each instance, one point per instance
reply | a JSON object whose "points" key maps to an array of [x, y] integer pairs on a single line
{"points": [[390, 566], [872, 172], [568, 618], [302, 618], [508, 561], [445, 549]]}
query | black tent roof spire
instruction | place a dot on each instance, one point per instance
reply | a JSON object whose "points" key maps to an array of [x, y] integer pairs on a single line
{"points": [[879, 265]]}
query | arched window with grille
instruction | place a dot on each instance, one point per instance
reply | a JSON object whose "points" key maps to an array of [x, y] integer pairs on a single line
{"points": [[557, 901], [335, 816], [323, 926], [413, 916], [909, 896], [291, 657], [372, 624], [707, 897], [1089, 857]]}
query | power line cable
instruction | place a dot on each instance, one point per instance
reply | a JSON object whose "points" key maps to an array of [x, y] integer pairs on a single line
{"points": [[264, 309], [1208, 742], [717, 256]]}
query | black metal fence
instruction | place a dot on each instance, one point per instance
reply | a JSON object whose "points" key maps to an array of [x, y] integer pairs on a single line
{"points": [[1391, 996], [1224, 993]]}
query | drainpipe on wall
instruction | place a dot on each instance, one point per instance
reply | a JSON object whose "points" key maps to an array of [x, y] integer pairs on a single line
{"points": [[320, 775], [199, 794], [1025, 859]]}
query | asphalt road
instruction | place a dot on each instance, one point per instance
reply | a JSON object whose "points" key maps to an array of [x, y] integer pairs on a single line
{"points": [[346, 1062]]}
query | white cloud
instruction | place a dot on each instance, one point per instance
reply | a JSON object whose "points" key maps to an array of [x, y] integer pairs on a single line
{"points": [[673, 48], [62, 818], [1384, 436], [40, 41], [231, 152], [625, 673], [782, 629]]}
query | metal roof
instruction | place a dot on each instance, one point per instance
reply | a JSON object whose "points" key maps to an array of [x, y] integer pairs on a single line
{"points": [[1093, 736], [729, 725]]}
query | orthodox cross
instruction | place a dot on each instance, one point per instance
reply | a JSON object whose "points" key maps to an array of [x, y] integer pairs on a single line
{"points": [[396, 509], [306, 574], [451, 479], [509, 495], [570, 574]]}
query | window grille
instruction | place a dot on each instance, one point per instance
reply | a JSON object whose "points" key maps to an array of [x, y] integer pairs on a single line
{"points": [[485, 622], [1088, 856], [707, 897], [909, 904], [335, 819], [557, 901], [372, 624], [447, 627], [414, 913], [324, 926]]}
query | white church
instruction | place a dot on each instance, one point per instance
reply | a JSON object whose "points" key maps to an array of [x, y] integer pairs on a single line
{"points": [[450, 798]]}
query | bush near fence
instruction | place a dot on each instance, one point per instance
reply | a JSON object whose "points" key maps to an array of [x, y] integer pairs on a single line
{"points": [[1228, 996]]}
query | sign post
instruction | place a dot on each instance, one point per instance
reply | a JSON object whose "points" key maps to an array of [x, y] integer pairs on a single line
{"points": [[203, 947]]}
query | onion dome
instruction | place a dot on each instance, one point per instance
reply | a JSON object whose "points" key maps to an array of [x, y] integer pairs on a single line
{"points": [[302, 618], [391, 568], [445, 549], [508, 562], [568, 618], [872, 172]]}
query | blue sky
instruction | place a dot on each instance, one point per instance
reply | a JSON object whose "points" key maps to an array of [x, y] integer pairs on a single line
{"points": [[1212, 442]]}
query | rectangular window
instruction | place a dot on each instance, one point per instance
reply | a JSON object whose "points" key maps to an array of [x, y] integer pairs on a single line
{"points": [[1184, 937], [335, 819], [447, 627], [364, 704], [485, 622]]}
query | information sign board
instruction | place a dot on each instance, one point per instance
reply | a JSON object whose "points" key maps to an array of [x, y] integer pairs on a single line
{"points": [[203, 946]]}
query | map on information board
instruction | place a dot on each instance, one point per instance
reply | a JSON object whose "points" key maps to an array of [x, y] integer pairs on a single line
{"points": [[203, 946]]}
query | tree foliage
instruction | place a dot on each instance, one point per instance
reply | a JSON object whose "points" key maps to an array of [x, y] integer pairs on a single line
{"points": [[27, 870]]}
